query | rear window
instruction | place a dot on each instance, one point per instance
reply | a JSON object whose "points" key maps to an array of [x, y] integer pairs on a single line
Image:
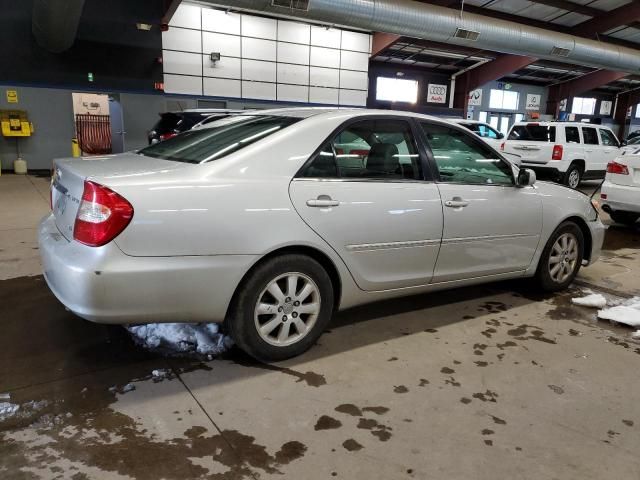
{"points": [[533, 133], [227, 136]]}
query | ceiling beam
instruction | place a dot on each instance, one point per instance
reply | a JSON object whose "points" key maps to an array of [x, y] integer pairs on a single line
{"points": [[627, 14], [382, 41], [579, 85], [571, 7], [170, 7]]}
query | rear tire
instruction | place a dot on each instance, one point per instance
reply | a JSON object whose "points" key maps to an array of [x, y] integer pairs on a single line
{"points": [[561, 258], [573, 176], [626, 218], [281, 308]]}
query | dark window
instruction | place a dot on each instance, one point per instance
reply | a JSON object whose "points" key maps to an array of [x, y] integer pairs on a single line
{"points": [[484, 131], [227, 136], [590, 136], [608, 138], [533, 133], [572, 134], [462, 159], [370, 149]]}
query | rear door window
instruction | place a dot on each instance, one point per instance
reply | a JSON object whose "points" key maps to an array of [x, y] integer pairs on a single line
{"points": [[572, 134], [590, 136], [533, 133]]}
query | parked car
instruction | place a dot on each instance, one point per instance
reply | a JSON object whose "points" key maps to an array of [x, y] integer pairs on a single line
{"points": [[630, 145], [263, 221], [173, 123], [567, 151], [620, 192], [485, 131]]}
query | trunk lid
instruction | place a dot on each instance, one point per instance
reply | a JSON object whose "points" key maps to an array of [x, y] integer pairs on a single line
{"points": [[69, 174], [530, 152], [632, 162]]}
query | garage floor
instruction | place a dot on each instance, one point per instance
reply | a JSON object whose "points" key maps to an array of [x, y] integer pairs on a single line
{"points": [[478, 383]]}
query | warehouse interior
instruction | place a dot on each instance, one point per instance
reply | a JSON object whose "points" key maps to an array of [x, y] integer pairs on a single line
{"points": [[489, 380]]}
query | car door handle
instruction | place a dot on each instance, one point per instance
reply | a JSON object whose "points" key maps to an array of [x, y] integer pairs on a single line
{"points": [[323, 201], [456, 202], [588, 151]]}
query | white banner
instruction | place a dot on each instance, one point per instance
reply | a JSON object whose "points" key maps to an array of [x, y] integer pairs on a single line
{"points": [[533, 102], [437, 93], [475, 98], [605, 107]]}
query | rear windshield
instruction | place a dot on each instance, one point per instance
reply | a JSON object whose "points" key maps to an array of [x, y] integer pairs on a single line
{"points": [[533, 133], [227, 136]]}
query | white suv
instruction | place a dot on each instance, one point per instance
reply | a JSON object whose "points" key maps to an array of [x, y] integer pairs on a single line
{"points": [[569, 151]]}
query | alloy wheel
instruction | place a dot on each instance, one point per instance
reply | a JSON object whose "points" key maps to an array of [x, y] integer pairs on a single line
{"points": [[574, 178], [563, 258], [287, 309]]}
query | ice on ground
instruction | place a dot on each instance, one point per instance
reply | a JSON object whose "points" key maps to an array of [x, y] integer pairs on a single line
{"points": [[628, 313], [5, 396], [182, 338], [8, 410], [636, 334], [594, 300]]}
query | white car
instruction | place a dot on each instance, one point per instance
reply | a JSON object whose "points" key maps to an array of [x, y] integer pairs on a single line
{"points": [[271, 221], [485, 131], [631, 145], [567, 151], [620, 192]]}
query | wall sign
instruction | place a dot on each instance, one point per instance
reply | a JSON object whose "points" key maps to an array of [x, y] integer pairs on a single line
{"points": [[437, 93], [605, 107], [475, 98], [533, 102], [12, 96]]}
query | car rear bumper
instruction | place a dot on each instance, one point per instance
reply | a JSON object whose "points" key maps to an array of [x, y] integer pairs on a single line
{"points": [[624, 198], [104, 285]]}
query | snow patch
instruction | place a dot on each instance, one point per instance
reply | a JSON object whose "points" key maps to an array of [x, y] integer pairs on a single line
{"points": [[594, 300], [8, 410], [627, 313], [182, 338]]}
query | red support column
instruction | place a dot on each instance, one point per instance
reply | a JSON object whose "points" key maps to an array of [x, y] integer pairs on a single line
{"points": [[624, 102]]}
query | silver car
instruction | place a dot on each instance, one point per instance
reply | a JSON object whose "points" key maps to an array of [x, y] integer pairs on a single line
{"points": [[271, 221]]}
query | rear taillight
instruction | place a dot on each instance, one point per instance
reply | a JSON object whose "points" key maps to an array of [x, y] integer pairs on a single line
{"points": [[167, 136], [617, 168], [603, 196], [557, 152], [102, 215], [502, 147]]}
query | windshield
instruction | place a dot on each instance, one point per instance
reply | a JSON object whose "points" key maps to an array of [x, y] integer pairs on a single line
{"points": [[226, 136], [535, 133]]}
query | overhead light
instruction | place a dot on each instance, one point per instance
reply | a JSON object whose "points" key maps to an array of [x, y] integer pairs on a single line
{"points": [[466, 34], [214, 57], [144, 26]]}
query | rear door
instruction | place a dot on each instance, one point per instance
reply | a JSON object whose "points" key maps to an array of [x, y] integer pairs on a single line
{"points": [[595, 157], [364, 192], [609, 144], [490, 226]]}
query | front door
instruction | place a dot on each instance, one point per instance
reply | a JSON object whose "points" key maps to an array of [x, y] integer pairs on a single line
{"points": [[610, 146], [364, 193], [490, 225]]}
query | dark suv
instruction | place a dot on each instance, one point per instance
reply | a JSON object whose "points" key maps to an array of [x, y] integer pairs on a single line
{"points": [[173, 123]]}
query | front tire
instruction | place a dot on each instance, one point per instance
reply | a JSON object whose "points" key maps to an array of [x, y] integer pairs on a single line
{"points": [[573, 176], [626, 218], [281, 308], [561, 258]]}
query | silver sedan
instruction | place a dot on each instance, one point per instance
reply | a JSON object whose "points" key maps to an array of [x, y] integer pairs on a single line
{"points": [[271, 221]]}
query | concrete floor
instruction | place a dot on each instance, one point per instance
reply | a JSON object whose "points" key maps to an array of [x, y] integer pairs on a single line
{"points": [[480, 383]]}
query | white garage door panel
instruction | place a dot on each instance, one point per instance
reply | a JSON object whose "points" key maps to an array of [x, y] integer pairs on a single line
{"points": [[187, 16], [324, 95], [324, 77], [259, 49], [220, 21], [293, 74], [354, 61], [218, 87], [293, 93], [181, 62], [226, 67], [290, 53], [182, 84], [325, 57], [355, 41], [259, 90], [182, 39], [353, 97], [324, 37], [227, 45], [256, 70], [293, 32], [259, 27], [354, 80]]}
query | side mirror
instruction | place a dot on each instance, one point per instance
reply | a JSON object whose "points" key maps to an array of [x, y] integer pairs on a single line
{"points": [[526, 178], [500, 135]]}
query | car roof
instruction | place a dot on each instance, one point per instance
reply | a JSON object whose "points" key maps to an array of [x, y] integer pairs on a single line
{"points": [[561, 124]]}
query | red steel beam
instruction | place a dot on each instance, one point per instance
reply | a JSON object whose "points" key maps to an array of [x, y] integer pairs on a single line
{"points": [[170, 7], [382, 41], [579, 85], [624, 15]]}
